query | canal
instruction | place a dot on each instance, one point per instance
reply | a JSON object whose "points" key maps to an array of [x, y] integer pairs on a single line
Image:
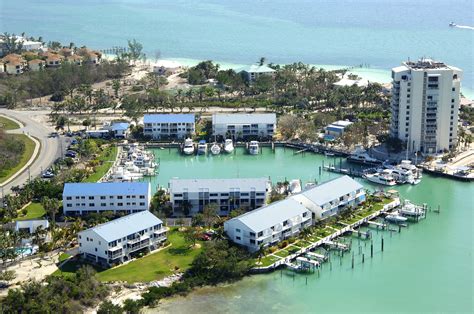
{"points": [[428, 267]]}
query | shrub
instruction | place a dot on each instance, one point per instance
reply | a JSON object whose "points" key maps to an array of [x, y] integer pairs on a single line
{"points": [[272, 249], [291, 240], [283, 244]]}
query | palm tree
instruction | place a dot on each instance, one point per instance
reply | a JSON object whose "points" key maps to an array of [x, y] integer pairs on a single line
{"points": [[51, 206], [262, 251]]}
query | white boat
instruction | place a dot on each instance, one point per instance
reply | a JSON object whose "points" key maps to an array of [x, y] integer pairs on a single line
{"points": [[188, 148], [202, 148], [120, 174], [407, 165], [253, 148], [215, 149], [395, 217], [228, 146], [329, 154], [295, 186], [452, 24], [381, 177], [359, 155], [410, 209]]}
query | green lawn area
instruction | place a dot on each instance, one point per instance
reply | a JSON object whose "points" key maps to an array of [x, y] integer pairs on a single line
{"points": [[107, 159], [29, 149], [267, 261], [35, 210], [155, 266], [8, 124], [63, 257], [282, 253]]}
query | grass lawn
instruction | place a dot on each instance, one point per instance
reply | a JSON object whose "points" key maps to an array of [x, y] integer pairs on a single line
{"points": [[282, 253], [155, 266], [35, 210], [267, 261], [8, 124], [29, 149], [107, 159], [292, 248]]}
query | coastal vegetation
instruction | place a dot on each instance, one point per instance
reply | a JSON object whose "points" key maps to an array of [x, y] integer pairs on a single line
{"points": [[8, 124]]}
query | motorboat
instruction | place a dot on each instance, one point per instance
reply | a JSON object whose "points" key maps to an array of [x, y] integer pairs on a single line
{"points": [[395, 217], [228, 146], [407, 165], [452, 24], [359, 155], [253, 148], [215, 149], [188, 148], [410, 209], [329, 154], [202, 147], [383, 177], [295, 186], [402, 176]]}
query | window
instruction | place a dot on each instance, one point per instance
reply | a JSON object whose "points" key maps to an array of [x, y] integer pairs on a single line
{"points": [[120, 197], [142, 196], [128, 204], [102, 197], [111, 196], [128, 196], [252, 241], [120, 204], [91, 197], [91, 204], [77, 197], [68, 198], [69, 205], [142, 204], [103, 204], [237, 230], [96, 249], [111, 204], [238, 238], [260, 233]]}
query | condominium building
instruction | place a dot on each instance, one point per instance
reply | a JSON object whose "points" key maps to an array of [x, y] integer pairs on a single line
{"points": [[190, 196], [244, 125], [119, 240], [328, 198], [165, 126], [119, 197], [425, 105], [254, 71], [268, 225]]}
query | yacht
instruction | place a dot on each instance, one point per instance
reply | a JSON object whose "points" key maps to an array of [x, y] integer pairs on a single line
{"points": [[452, 24], [407, 165], [215, 149], [228, 146], [402, 176], [295, 186], [360, 156], [410, 209], [395, 217], [253, 148], [188, 148], [202, 147], [380, 177]]}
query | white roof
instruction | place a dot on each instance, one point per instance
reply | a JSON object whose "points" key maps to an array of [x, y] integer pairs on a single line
{"points": [[244, 118], [342, 123], [218, 185], [167, 64], [124, 226], [106, 188], [255, 68], [348, 82], [331, 190], [268, 216]]}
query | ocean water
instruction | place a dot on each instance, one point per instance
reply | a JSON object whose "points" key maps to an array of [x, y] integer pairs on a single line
{"points": [[374, 34], [428, 267]]}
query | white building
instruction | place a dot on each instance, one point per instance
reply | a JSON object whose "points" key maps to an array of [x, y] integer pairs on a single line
{"points": [[30, 226], [244, 125], [254, 71], [119, 129], [425, 105], [121, 239], [326, 199], [337, 128], [164, 67], [159, 126], [226, 194], [268, 225], [119, 197]]}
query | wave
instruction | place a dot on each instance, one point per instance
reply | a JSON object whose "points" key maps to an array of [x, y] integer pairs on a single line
{"points": [[465, 27]]}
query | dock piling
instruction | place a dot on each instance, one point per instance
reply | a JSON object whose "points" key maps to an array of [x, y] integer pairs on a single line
{"points": [[352, 260], [382, 243], [363, 258], [371, 249]]}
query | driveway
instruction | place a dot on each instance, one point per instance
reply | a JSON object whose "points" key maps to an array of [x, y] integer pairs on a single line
{"points": [[50, 147]]}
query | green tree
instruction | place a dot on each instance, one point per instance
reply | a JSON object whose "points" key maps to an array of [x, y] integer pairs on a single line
{"points": [[135, 50], [108, 307], [210, 215]]}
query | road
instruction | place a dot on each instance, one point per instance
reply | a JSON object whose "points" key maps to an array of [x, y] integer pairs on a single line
{"points": [[50, 147]]}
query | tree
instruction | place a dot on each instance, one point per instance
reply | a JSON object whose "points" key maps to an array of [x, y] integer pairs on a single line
{"points": [[51, 206], [186, 206], [197, 220], [135, 50], [108, 307], [7, 275], [191, 235], [210, 215], [116, 87], [132, 306], [261, 61], [11, 44]]}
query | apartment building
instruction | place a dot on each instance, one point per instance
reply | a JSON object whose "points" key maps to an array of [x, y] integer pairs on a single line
{"points": [[119, 240], [268, 225], [190, 196], [425, 105], [241, 126], [326, 199], [119, 197], [168, 126]]}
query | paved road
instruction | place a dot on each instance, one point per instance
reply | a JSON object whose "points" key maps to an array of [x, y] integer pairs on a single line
{"points": [[50, 147]]}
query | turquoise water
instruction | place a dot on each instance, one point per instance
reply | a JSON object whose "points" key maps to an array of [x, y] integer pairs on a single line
{"points": [[428, 267], [375, 33]]}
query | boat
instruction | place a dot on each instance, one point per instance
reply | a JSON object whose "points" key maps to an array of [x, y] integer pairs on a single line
{"points": [[380, 177], [395, 217], [329, 154], [228, 146], [253, 148], [452, 24], [406, 164], [188, 148], [412, 210], [202, 147], [215, 149], [295, 186], [359, 155]]}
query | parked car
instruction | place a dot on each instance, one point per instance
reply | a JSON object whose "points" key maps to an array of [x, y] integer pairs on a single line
{"points": [[204, 237], [48, 174], [71, 153], [53, 134]]}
